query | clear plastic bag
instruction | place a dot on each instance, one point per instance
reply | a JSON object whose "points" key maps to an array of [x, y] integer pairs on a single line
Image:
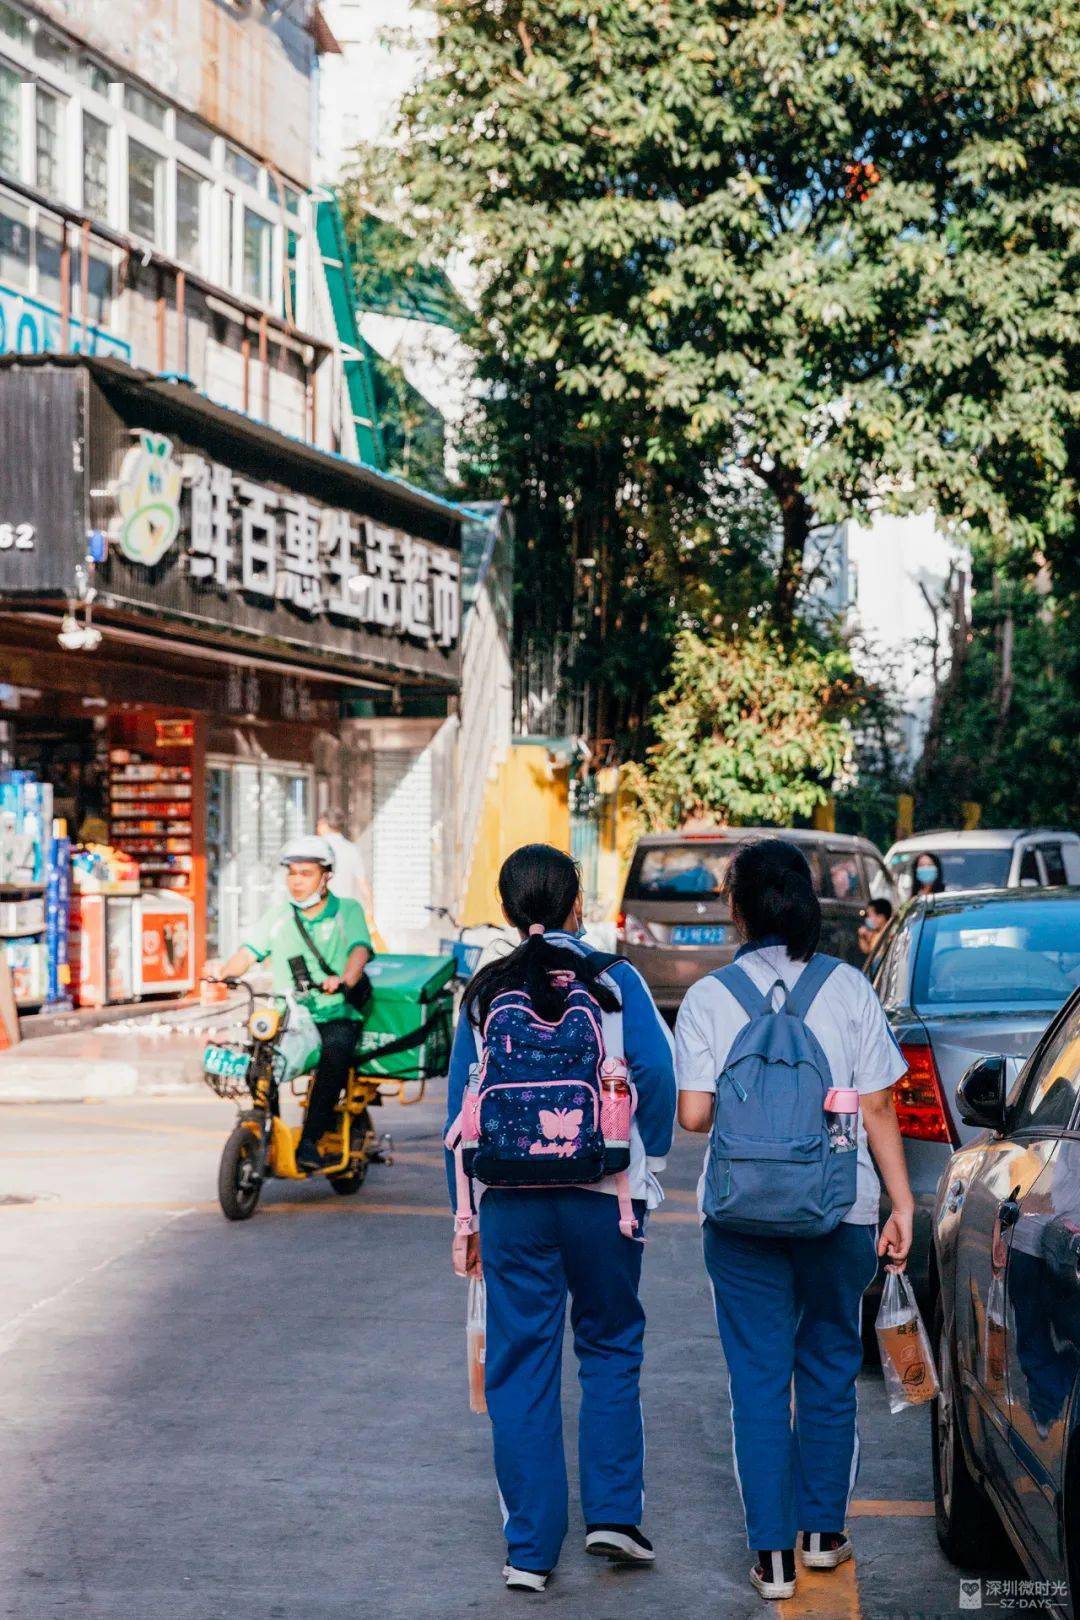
{"points": [[300, 1045], [475, 1343], [906, 1357]]}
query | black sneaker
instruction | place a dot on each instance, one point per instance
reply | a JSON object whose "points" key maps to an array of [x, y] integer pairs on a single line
{"points": [[623, 1543], [308, 1157], [773, 1576], [824, 1549]]}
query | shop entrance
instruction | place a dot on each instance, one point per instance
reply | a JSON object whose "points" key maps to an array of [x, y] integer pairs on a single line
{"points": [[253, 808]]}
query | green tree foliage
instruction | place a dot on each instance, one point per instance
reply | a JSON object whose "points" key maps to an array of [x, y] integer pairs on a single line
{"points": [[1006, 732], [835, 244], [750, 730]]}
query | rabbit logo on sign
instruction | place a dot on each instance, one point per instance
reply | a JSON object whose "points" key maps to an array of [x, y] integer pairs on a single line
{"points": [[148, 497], [971, 1594]]}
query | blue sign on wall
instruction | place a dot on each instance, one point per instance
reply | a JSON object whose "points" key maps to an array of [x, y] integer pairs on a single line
{"points": [[28, 326]]}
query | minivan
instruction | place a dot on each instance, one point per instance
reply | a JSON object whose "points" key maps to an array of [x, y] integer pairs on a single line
{"points": [[674, 926], [991, 858]]}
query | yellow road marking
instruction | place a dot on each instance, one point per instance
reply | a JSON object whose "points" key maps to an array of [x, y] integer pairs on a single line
{"points": [[874, 1509], [830, 1594]]}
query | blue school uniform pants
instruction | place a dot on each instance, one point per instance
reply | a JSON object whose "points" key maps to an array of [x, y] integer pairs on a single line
{"points": [[537, 1246], [789, 1312]]}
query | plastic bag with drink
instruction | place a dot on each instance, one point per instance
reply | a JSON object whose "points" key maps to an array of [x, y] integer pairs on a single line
{"points": [[906, 1358], [475, 1342]]}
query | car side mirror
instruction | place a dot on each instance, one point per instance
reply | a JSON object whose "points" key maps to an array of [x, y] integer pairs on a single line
{"points": [[980, 1096]]}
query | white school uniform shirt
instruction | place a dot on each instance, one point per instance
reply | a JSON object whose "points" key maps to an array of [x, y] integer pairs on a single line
{"points": [[348, 874], [845, 1016]]}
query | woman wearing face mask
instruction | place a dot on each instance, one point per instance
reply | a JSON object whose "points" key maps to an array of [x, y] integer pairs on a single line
{"points": [[331, 936], [929, 878]]}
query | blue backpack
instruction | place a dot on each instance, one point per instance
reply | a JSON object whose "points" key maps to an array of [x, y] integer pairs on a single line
{"points": [[770, 1171]]}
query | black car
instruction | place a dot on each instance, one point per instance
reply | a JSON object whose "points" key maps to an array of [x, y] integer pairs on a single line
{"points": [[1006, 1291]]}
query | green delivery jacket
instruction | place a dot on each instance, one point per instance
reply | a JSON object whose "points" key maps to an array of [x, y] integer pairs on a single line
{"points": [[337, 930]]}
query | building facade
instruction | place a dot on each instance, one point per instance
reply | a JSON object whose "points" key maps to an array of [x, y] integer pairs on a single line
{"points": [[217, 616]]}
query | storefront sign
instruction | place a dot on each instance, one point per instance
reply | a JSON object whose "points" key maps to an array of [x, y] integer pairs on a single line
{"points": [[28, 326], [282, 548]]}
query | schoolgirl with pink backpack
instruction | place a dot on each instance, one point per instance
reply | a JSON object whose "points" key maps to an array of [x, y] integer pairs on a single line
{"points": [[560, 1109]]}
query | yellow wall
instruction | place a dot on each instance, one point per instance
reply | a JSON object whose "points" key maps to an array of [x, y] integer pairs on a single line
{"points": [[526, 802]]}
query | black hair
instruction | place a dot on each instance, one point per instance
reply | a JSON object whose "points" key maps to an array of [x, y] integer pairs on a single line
{"points": [[538, 885], [938, 885], [769, 889], [883, 907]]}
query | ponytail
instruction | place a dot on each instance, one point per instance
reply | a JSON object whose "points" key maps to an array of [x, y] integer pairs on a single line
{"points": [[769, 888], [538, 886]]}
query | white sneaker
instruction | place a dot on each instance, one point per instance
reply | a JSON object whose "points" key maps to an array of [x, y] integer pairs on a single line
{"points": [[524, 1580], [825, 1549]]}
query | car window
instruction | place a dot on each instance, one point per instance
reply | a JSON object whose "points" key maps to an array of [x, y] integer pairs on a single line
{"points": [[1050, 1094], [1054, 864], [877, 878], [1022, 950], [960, 868], [1029, 867], [845, 875], [674, 871], [878, 961]]}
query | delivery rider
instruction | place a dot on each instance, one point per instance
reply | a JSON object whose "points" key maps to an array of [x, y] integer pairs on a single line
{"points": [[331, 937]]}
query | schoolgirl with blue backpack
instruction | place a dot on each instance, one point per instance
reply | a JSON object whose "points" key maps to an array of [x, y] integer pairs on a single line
{"points": [[560, 1110], [784, 1057]]}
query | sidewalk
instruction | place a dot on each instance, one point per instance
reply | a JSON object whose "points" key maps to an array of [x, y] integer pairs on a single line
{"points": [[153, 1053]]}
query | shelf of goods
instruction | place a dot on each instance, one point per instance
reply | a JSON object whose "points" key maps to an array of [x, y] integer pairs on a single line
{"points": [[150, 811], [25, 824]]}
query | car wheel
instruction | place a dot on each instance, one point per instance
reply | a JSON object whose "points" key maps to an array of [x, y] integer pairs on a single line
{"points": [[967, 1526]]}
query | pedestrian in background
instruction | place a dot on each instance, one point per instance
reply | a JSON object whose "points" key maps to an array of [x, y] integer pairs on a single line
{"points": [[349, 881], [789, 1307], [929, 878], [873, 925], [537, 1243]]}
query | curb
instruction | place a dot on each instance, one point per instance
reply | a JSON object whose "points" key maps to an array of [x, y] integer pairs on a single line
{"points": [[58, 1080]]}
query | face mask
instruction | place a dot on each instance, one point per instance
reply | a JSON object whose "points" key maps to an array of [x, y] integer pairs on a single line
{"points": [[311, 902], [926, 874]]}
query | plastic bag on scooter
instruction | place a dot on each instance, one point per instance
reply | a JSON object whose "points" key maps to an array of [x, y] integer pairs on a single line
{"points": [[300, 1044], [906, 1357]]}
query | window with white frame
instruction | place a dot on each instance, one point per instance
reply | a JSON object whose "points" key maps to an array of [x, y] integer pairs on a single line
{"points": [[144, 106], [190, 208], [14, 242], [95, 165], [10, 120], [48, 142], [195, 136], [47, 259], [14, 24], [146, 192], [258, 245], [99, 284]]}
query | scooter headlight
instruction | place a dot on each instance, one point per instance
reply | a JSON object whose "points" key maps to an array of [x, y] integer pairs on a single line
{"points": [[264, 1023]]}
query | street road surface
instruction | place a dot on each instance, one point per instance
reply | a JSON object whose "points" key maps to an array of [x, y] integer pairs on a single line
{"points": [[215, 1422]]}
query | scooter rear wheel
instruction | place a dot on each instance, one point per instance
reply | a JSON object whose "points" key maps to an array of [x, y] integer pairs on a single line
{"points": [[349, 1181], [238, 1187]]}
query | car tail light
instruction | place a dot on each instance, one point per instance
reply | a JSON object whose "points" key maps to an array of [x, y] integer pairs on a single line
{"points": [[920, 1103], [630, 930]]}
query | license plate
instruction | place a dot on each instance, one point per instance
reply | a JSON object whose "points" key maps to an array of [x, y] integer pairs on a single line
{"points": [[224, 1061], [698, 934]]}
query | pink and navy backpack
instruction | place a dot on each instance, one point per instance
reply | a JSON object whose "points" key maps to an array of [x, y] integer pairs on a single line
{"points": [[547, 1104]]}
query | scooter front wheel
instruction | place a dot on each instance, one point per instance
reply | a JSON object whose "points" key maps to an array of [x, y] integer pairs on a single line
{"points": [[238, 1184]]}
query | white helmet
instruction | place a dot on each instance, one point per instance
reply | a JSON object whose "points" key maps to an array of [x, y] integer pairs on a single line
{"points": [[308, 847]]}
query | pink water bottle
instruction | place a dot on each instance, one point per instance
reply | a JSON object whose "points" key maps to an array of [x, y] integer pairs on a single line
{"points": [[616, 1107], [842, 1116]]}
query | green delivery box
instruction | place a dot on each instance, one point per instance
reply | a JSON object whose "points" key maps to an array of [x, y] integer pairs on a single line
{"points": [[410, 996]]}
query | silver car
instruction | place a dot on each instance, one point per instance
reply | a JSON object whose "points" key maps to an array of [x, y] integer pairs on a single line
{"points": [[962, 977], [990, 858]]}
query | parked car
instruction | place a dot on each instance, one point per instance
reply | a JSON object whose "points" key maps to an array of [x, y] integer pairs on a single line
{"points": [[674, 926], [1009, 858], [1006, 1427], [960, 976]]}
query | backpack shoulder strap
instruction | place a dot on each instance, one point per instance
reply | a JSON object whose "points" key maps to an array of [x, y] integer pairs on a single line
{"points": [[742, 987], [809, 982]]}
